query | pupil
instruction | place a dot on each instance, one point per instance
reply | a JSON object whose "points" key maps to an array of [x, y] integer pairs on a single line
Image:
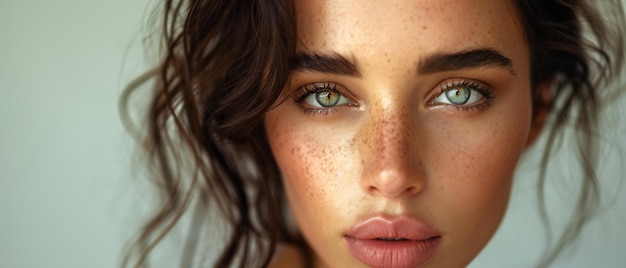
{"points": [[458, 96], [327, 98]]}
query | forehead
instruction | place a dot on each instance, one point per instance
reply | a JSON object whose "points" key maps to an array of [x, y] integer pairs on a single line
{"points": [[417, 26]]}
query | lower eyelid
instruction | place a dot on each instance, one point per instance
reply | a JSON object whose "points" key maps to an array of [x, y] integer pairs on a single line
{"points": [[479, 107], [470, 108], [320, 112]]}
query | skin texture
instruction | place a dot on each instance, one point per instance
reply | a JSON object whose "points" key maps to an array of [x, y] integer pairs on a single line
{"points": [[391, 147]]}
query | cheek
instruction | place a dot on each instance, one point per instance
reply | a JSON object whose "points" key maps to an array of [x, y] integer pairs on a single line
{"points": [[478, 171], [314, 171], [473, 167], [304, 162]]}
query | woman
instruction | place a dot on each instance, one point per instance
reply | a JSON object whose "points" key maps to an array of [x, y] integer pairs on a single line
{"points": [[389, 131]]}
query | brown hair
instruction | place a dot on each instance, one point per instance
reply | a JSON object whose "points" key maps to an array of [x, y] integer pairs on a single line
{"points": [[562, 56], [225, 64]]}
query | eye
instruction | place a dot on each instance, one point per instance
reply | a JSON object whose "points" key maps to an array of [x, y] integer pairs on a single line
{"points": [[322, 95], [459, 96], [462, 93]]}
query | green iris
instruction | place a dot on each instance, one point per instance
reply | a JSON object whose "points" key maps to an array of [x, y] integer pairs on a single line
{"points": [[459, 95], [327, 98]]}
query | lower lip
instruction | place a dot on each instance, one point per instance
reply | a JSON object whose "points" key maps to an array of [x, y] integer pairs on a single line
{"points": [[381, 253]]}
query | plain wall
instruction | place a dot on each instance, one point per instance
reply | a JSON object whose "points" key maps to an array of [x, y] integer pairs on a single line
{"points": [[66, 192], [68, 196]]}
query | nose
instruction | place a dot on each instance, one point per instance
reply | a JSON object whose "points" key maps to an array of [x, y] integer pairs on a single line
{"points": [[391, 164]]}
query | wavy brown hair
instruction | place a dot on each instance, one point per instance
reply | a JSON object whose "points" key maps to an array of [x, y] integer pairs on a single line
{"points": [[225, 64]]}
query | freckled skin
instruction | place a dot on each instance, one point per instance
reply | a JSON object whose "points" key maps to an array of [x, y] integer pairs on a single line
{"points": [[395, 153]]}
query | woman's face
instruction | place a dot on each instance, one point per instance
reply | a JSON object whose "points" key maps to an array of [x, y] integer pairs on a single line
{"points": [[404, 123]]}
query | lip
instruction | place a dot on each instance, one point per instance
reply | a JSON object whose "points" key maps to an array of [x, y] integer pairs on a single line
{"points": [[419, 244]]}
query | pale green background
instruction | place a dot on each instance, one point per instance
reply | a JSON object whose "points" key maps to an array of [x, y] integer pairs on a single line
{"points": [[68, 197]]}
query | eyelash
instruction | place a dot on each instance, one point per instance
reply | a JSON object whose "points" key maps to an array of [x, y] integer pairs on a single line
{"points": [[482, 88], [306, 90]]}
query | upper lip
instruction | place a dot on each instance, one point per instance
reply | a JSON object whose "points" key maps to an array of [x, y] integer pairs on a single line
{"points": [[392, 227]]}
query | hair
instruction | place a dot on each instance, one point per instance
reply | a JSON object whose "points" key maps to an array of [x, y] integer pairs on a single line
{"points": [[225, 64]]}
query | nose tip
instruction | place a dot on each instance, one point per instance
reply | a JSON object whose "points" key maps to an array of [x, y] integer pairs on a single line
{"points": [[392, 165], [394, 183]]}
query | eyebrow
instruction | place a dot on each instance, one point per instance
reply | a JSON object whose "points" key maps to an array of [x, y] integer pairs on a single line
{"points": [[325, 63], [335, 63], [463, 60]]}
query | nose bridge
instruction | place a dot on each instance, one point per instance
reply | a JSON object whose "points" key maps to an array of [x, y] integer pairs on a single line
{"points": [[392, 137], [391, 164]]}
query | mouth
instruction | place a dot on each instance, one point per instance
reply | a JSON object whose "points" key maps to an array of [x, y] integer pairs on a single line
{"points": [[391, 239], [398, 242]]}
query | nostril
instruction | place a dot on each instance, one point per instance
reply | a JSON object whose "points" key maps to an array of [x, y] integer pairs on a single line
{"points": [[411, 189], [390, 184], [372, 190]]}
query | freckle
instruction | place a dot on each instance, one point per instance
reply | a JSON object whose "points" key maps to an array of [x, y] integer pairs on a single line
{"points": [[424, 27]]}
